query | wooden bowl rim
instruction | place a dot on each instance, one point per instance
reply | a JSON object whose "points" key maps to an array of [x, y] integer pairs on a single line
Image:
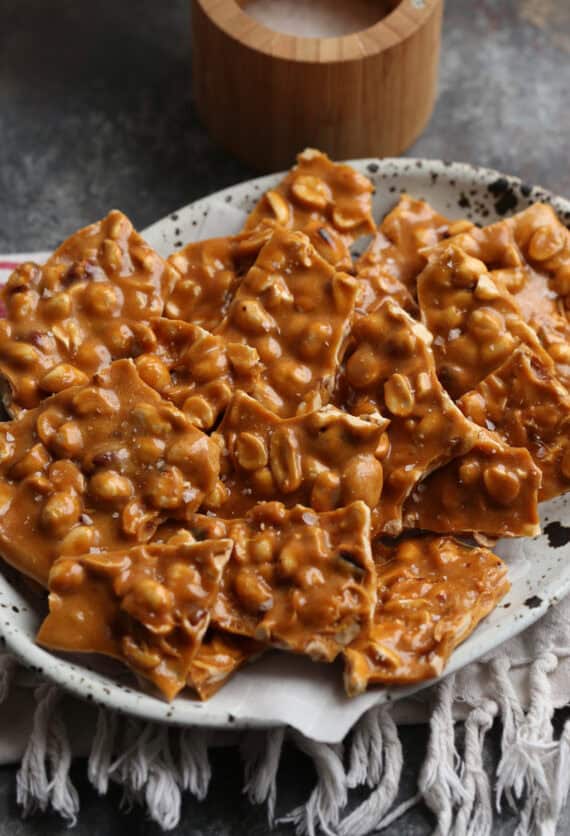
{"points": [[396, 27]]}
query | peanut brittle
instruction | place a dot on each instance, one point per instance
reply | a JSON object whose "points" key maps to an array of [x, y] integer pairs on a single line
{"points": [[299, 580], [90, 304], [390, 369], [148, 606], [475, 322], [209, 274], [529, 254], [323, 459], [432, 593], [219, 656], [526, 405], [294, 309], [316, 189], [97, 466], [396, 251], [492, 490], [196, 370]]}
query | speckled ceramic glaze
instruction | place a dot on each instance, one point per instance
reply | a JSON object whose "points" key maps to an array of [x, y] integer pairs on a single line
{"points": [[280, 688]]}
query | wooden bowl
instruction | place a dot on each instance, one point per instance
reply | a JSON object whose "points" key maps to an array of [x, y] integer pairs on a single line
{"points": [[265, 95]]}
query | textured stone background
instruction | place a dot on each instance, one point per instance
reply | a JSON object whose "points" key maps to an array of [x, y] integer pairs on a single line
{"points": [[95, 112]]}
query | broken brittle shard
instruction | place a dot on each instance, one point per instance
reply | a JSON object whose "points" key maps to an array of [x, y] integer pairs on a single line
{"points": [[88, 305]]}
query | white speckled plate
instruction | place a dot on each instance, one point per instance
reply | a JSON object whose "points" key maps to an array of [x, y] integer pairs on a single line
{"points": [[280, 688]]}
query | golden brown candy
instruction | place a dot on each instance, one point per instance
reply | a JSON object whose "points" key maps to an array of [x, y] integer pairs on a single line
{"points": [[529, 255], [432, 593], [324, 459], [317, 189], [88, 305], [196, 370], [492, 490], [219, 656], [390, 369], [527, 406], [148, 606], [299, 580], [75, 475], [294, 309], [395, 257], [476, 323]]}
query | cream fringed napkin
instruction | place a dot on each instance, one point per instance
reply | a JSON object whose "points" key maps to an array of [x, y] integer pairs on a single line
{"points": [[520, 684]]}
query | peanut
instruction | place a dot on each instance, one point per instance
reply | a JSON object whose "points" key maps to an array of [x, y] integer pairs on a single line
{"points": [[60, 512], [250, 451], [398, 395], [110, 486]]}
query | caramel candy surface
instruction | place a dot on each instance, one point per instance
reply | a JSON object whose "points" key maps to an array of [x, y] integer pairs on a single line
{"points": [[492, 490], [219, 656], [324, 459], [294, 309], [390, 369], [396, 251], [529, 254], [316, 189], [299, 580], [148, 606], [87, 306], [97, 467], [526, 405], [432, 593], [196, 370], [476, 323]]}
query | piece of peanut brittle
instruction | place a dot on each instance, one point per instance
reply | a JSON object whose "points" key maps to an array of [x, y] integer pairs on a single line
{"points": [[209, 272], [526, 405], [316, 189], [476, 323], [299, 580], [196, 370], [97, 467], [396, 251], [324, 459], [492, 490], [529, 255], [219, 656], [295, 310], [432, 593], [390, 369], [88, 305], [147, 605], [530, 252]]}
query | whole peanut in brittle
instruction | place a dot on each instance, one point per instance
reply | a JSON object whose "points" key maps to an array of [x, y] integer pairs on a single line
{"points": [[476, 323], [529, 255], [148, 606], [299, 580], [196, 370], [97, 467], [432, 593], [526, 405], [390, 369], [88, 305], [317, 189], [395, 257], [492, 490], [295, 310], [324, 459]]}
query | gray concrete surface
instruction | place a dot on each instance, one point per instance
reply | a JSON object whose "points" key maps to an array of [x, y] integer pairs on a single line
{"points": [[95, 112]]}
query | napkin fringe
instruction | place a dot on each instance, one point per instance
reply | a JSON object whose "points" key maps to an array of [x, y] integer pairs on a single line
{"points": [[155, 764], [43, 779]]}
